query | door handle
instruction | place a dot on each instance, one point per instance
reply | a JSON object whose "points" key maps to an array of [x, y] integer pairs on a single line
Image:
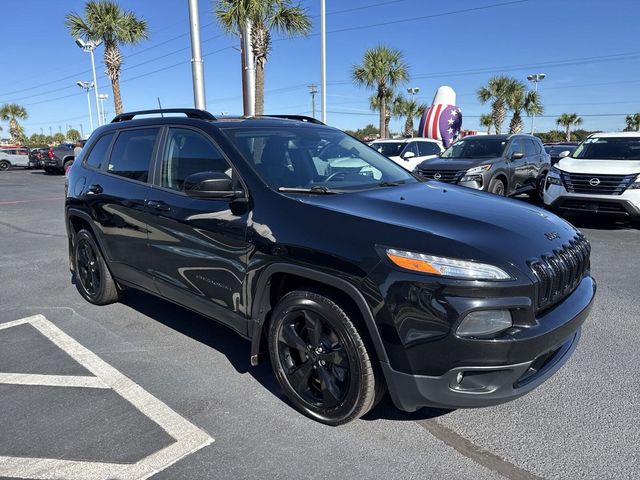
{"points": [[94, 189], [158, 205]]}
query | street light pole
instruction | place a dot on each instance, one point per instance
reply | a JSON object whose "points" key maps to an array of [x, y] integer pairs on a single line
{"points": [[323, 61], [313, 89], [87, 86], [90, 46], [197, 70], [103, 97], [413, 91], [249, 74], [535, 78]]}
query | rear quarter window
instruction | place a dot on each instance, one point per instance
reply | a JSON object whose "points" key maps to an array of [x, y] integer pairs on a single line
{"points": [[131, 153], [98, 152]]}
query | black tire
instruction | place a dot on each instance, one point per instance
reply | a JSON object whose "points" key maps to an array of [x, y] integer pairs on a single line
{"points": [[4, 165], [321, 360], [93, 278], [538, 193], [497, 187], [66, 166]]}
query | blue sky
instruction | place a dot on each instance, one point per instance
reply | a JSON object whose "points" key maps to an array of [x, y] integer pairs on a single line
{"points": [[587, 48]]}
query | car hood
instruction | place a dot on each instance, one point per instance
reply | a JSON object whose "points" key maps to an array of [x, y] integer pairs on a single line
{"points": [[454, 221], [454, 163], [599, 167]]}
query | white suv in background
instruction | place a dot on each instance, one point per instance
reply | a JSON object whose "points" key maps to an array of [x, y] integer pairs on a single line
{"points": [[408, 152], [601, 176], [14, 157]]}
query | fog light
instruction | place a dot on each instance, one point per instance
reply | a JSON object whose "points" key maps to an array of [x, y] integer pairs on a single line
{"points": [[482, 323]]}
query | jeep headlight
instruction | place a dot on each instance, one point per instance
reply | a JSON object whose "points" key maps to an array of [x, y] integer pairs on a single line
{"points": [[445, 267]]}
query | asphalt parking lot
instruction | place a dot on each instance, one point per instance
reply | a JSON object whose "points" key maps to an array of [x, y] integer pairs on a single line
{"points": [[145, 388]]}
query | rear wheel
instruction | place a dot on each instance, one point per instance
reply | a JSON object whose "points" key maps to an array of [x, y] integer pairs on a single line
{"points": [[496, 186], [4, 165], [93, 278], [321, 360]]}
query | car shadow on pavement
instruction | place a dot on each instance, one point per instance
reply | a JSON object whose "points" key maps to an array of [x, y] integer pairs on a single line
{"points": [[599, 222], [386, 410]]}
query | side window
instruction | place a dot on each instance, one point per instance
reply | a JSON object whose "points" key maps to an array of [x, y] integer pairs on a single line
{"points": [[411, 147], [132, 152], [99, 151], [530, 148], [514, 147], [428, 148], [187, 152]]}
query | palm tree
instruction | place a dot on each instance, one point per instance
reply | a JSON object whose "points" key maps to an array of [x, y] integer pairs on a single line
{"points": [[394, 107], [265, 16], [73, 135], [383, 68], [633, 122], [486, 121], [105, 21], [522, 100], [12, 112], [410, 109], [568, 120], [497, 90]]}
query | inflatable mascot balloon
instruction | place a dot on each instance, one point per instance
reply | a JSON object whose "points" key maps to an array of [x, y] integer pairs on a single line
{"points": [[443, 119]]}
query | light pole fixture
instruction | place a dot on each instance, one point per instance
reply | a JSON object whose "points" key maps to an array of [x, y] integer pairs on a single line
{"points": [[102, 97], [87, 86], [535, 78], [90, 46], [323, 61], [413, 91]]}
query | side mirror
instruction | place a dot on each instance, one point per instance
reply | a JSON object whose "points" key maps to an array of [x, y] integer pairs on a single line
{"points": [[408, 155], [210, 185], [564, 153], [517, 155]]}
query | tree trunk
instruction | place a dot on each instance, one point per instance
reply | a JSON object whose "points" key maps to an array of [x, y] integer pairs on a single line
{"points": [[408, 127], [259, 88], [567, 135], [113, 62], [498, 113]]}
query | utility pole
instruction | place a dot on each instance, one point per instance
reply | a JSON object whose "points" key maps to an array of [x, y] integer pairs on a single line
{"points": [[249, 74], [81, 132], [196, 61], [313, 89], [323, 61]]}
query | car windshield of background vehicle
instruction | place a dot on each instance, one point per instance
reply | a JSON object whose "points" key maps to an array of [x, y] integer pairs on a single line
{"points": [[559, 149], [612, 148], [476, 148], [296, 157], [389, 149]]}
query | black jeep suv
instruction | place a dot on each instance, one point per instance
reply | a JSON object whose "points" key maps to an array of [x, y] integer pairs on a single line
{"points": [[501, 164], [353, 281]]}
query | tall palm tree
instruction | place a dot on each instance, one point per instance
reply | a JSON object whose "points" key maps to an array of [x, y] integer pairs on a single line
{"points": [[498, 90], [383, 68], [105, 21], [12, 112], [410, 109], [265, 15], [568, 120], [633, 122], [521, 100], [486, 121]]}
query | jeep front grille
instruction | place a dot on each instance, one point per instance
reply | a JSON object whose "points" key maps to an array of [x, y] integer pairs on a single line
{"points": [[558, 274], [596, 183]]}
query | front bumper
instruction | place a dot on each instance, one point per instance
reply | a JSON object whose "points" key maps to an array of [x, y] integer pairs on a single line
{"points": [[625, 205], [478, 385]]}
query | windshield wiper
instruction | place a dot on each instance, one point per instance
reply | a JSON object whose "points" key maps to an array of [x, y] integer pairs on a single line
{"points": [[391, 184], [317, 189]]}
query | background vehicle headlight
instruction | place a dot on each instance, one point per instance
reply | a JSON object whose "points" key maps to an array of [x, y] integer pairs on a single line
{"points": [[479, 169], [554, 180], [636, 183], [446, 267], [485, 322], [555, 170]]}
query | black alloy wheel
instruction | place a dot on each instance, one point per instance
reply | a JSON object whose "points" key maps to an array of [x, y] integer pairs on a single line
{"points": [[4, 165], [320, 359], [94, 280]]}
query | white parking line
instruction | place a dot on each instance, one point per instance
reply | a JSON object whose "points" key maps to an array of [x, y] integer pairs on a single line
{"points": [[189, 438]]}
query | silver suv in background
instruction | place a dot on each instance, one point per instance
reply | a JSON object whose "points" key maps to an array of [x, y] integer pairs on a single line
{"points": [[601, 176], [14, 157], [502, 164]]}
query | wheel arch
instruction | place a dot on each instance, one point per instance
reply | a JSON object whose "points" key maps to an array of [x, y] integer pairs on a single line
{"points": [[269, 289], [76, 220]]}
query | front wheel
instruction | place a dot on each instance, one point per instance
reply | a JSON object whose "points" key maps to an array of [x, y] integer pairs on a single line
{"points": [[67, 166], [4, 165], [496, 186], [320, 359]]}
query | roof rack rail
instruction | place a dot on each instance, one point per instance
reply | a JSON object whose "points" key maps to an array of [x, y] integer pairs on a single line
{"points": [[301, 118], [189, 112]]}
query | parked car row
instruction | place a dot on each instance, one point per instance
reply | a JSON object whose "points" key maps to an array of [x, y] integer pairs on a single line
{"points": [[52, 160]]}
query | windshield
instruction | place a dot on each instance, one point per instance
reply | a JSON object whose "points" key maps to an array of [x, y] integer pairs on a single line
{"points": [[555, 150], [388, 149], [310, 156], [476, 148], [611, 148]]}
